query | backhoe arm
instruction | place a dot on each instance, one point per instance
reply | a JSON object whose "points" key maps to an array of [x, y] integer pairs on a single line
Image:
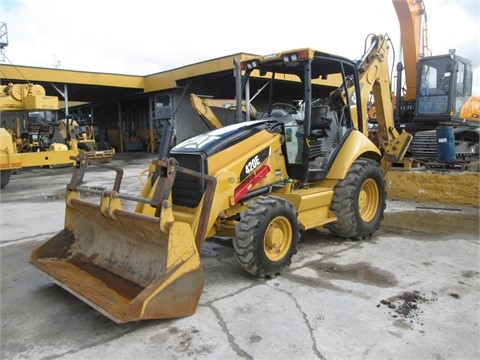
{"points": [[374, 79]]}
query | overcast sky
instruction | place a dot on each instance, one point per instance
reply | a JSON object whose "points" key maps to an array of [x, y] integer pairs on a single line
{"points": [[143, 37]]}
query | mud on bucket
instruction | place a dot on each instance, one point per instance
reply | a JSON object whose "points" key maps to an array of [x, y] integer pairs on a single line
{"points": [[124, 267]]}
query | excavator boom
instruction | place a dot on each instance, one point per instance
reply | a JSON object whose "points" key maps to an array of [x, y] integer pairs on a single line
{"points": [[413, 27]]}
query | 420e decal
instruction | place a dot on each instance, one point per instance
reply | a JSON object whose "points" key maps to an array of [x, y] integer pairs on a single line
{"points": [[252, 163]]}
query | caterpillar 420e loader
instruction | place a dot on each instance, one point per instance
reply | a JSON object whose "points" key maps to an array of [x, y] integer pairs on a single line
{"points": [[307, 163]]}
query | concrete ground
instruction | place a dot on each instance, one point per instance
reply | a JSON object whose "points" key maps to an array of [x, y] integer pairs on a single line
{"points": [[410, 292]]}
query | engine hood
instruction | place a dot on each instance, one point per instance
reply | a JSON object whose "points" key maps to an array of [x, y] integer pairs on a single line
{"points": [[211, 142]]}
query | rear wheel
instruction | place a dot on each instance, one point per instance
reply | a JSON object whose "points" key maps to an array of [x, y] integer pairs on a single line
{"points": [[359, 201], [267, 236]]}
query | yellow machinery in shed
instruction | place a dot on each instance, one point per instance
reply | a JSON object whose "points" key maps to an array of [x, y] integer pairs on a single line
{"points": [[33, 145], [17, 152], [81, 136]]}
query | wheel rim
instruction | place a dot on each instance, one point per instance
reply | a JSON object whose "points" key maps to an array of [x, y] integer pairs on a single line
{"points": [[278, 238], [368, 199]]}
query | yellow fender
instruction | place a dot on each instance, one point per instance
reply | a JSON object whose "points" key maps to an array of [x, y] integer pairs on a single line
{"points": [[355, 146]]}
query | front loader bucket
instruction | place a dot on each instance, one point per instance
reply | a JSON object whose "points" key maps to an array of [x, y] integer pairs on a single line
{"points": [[127, 265]]}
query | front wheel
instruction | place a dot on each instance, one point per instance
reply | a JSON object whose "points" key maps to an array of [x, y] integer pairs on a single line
{"points": [[359, 201], [267, 236]]}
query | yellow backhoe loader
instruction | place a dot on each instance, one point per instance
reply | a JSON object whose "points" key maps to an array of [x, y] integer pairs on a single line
{"points": [[308, 163], [82, 136]]}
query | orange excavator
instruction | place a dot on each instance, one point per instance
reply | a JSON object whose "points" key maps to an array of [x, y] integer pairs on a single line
{"points": [[435, 103]]}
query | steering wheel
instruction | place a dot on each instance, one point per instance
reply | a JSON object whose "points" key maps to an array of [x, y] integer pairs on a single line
{"points": [[285, 106]]}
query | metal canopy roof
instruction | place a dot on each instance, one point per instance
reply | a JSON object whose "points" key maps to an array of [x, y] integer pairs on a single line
{"points": [[81, 86], [88, 87]]}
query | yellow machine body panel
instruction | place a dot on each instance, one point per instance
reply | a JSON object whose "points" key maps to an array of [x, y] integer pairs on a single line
{"points": [[9, 159], [52, 157], [41, 102], [313, 206], [471, 110], [231, 160], [355, 145], [26, 97], [57, 154]]}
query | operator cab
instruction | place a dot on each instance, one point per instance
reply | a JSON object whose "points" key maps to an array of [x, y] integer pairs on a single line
{"points": [[307, 95], [445, 84]]}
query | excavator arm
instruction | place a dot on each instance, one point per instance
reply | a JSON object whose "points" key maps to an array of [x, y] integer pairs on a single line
{"points": [[374, 79]]}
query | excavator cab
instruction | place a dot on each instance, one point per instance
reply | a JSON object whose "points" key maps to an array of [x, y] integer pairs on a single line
{"points": [[445, 84], [445, 107]]}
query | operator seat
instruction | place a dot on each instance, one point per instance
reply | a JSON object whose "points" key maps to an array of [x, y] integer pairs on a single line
{"points": [[319, 127], [320, 122], [321, 119]]}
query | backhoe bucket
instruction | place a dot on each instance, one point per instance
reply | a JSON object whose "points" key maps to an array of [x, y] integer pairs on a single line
{"points": [[127, 265]]}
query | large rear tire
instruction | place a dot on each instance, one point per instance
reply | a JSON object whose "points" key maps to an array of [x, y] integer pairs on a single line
{"points": [[267, 236], [359, 201]]}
